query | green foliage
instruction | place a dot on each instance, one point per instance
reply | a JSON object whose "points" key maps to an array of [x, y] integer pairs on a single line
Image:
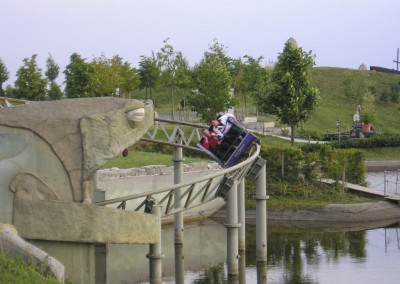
{"points": [[248, 79], [3, 76], [16, 271], [77, 78], [282, 163], [148, 154], [149, 73], [290, 95], [377, 141], [367, 117], [175, 71], [52, 69], [54, 92], [291, 164], [212, 80], [30, 83], [335, 162], [52, 72], [112, 77]]}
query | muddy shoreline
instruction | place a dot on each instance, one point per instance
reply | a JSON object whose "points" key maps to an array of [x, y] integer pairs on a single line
{"points": [[376, 166], [334, 216]]}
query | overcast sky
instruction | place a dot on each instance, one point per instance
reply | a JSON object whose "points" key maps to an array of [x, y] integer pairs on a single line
{"points": [[341, 33]]}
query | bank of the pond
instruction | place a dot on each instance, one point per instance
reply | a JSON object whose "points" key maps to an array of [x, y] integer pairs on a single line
{"points": [[370, 214], [375, 166]]}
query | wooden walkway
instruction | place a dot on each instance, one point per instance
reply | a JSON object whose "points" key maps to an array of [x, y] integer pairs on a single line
{"points": [[363, 189]]}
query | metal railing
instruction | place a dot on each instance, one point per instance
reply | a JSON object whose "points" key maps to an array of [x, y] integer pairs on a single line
{"points": [[195, 192]]}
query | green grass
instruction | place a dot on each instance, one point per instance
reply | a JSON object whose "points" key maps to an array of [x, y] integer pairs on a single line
{"points": [[16, 271], [382, 154], [137, 159], [297, 195]]}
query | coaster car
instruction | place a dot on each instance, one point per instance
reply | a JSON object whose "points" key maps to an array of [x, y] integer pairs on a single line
{"points": [[236, 146]]}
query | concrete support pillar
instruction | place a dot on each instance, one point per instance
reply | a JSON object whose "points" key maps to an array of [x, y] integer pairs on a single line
{"points": [[178, 217], [155, 254], [242, 215], [261, 215], [232, 231], [179, 267]]}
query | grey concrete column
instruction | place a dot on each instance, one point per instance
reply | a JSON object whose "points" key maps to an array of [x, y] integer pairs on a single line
{"points": [[261, 215], [242, 214], [232, 231], [179, 267], [155, 254], [178, 217]]}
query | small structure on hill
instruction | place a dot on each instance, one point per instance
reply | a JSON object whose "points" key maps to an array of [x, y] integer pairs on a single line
{"points": [[362, 127]]}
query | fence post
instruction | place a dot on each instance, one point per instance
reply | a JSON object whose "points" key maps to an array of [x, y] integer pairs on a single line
{"points": [[384, 183]]}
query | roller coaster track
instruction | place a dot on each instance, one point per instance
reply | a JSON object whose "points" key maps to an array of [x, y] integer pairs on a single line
{"points": [[195, 192]]}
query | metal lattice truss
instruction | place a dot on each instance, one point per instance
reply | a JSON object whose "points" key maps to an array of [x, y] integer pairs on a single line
{"points": [[178, 137]]}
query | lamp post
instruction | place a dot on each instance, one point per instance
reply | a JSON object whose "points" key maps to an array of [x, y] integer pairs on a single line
{"points": [[338, 127]]}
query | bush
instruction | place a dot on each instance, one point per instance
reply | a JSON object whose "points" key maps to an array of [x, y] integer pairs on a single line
{"points": [[282, 163], [293, 164]]}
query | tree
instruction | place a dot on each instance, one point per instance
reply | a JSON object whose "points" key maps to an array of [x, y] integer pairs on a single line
{"points": [[52, 69], [104, 76], [3, 76], [30, 84], [213, 81], [169, 63], [130, 79], [219, 51], [248, 77], [77, 78], [182, 75], [52, 73], [290, 95], [54, 92], [149, 73]]}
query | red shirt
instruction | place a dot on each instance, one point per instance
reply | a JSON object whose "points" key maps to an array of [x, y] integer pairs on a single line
{"points": [[210, 143]]}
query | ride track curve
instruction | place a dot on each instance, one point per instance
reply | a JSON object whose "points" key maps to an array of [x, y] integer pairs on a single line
{"points": [[195, 192]]}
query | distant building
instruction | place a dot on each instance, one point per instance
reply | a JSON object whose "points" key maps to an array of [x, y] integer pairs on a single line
{"points": [[383, 70]]}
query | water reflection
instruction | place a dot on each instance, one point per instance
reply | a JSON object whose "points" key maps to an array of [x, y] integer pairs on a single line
{"points": [[295, 255], [389, 181]]}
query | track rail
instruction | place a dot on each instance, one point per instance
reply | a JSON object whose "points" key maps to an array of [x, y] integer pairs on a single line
{"points": [[193, 193]]}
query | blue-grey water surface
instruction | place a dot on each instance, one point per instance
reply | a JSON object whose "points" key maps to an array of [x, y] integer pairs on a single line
{"points": [[295, 255]]}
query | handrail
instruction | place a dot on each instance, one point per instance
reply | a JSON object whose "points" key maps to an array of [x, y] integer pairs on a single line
{"points": [[207, 190]]}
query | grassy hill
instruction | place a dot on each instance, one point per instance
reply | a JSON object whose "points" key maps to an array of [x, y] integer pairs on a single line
{"points": [[335, 104], [341, 90]]}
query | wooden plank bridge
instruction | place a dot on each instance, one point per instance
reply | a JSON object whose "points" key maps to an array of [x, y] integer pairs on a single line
{"points": [[364, 190]]}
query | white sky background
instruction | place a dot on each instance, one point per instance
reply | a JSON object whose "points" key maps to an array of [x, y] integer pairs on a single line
{"points": [[341, 33]]}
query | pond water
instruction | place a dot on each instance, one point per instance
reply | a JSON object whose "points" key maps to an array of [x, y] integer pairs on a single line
{"points": [[380, 180], [295, 254]]}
